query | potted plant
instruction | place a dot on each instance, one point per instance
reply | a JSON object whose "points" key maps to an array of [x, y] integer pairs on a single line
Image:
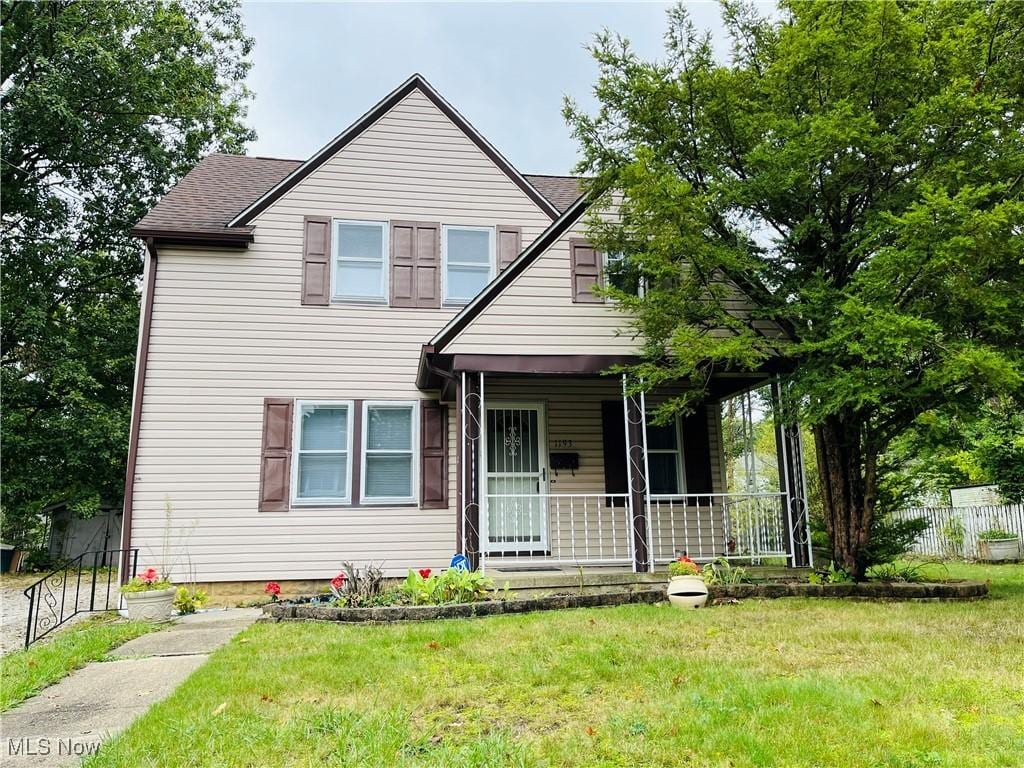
{"points": [[149, 597], [686, 587], [996, 544]]}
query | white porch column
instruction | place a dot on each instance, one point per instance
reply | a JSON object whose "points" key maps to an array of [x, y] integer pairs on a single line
{"points": [[637, 474], [792, 481]]}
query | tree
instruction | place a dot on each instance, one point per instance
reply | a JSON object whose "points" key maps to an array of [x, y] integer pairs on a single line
{"points": [[105, 105], [856, 171], [943, 450]]}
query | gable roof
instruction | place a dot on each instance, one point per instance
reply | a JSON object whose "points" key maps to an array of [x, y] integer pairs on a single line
{"points": [[546, 239], [416, 82]]}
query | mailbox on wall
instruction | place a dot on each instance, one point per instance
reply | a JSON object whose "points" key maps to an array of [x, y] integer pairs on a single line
{"points": [[569, 461]]}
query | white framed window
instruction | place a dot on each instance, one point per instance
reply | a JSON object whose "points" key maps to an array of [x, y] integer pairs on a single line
{"points": [[468, 261], [360, 261], [665, 459], [322, 470], [390, 441], [620, 274]]}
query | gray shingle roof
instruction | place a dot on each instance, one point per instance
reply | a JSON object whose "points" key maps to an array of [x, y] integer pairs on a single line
{"points": [[562, 191], [214, 192], [222, 186]]}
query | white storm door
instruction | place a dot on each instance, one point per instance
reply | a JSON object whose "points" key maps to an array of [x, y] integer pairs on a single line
{"points": [[516, 482]]}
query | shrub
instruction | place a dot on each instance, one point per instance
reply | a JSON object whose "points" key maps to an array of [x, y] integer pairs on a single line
{"points": [[721, 571], [39, 560], [902, 572], [189, 600], [832, 576], [454, 585], [997, 533], [683, 566], [891, 539], [361, 588]]}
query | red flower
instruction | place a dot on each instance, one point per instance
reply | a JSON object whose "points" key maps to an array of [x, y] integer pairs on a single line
{"points": [[685, 559], [339, 581], [272, 588], [424, 573], [149, 575]]}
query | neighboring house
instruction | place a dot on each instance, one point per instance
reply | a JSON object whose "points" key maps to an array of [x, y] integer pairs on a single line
{"points": [[975, 496], [391, 352]]}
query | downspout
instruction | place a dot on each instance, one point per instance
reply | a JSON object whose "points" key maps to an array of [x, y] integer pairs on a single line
{"points": [[141, 359]]}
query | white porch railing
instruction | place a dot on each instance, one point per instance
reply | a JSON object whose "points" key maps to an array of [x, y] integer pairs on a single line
{"points": [[704, 526], [597, 529], [557, 529]]}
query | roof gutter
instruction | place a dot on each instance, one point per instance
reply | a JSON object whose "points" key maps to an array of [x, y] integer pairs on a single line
{"points": [[240, 237]]}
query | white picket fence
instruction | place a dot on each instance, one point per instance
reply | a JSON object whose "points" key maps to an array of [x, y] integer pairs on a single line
{"points": [[953, 531]]}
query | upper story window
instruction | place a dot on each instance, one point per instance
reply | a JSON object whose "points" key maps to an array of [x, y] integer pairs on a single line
{"points": [[468, 254], [621, 274], [665, 458], [360, 260], [324, 444], [389, 442]]}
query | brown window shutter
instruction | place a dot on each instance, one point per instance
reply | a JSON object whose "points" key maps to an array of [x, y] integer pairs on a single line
{"points": [[415, 264], [510, 243], [585, 263], [316, 260], [275, 459], [697, 451], [613, 440], [433, 455]]}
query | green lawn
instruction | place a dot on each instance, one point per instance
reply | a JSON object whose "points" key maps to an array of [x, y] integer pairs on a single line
{"points": [[28, 671], [774, 683]]}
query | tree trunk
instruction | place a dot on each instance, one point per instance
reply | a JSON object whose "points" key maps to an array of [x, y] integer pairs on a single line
{"points": [[848, 487]]}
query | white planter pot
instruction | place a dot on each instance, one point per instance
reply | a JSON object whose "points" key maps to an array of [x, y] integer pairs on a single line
{"points": [[687, 591], [155, 605], [999, 549]]}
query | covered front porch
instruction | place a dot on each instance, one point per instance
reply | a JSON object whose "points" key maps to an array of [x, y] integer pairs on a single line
{"points": [[558, 468]]}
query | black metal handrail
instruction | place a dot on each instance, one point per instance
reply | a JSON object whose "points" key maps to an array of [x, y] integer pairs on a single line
{"points": [[48, 598]]}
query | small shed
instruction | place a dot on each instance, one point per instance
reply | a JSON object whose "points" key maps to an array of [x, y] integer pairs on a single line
{"points": [[71, 535]]}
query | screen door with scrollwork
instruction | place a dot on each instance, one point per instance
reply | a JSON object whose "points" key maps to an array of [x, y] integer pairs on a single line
{"points": [[516, 479]]}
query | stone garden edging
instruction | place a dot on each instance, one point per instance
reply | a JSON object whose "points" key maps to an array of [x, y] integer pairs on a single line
{"points": [[960, 590]]}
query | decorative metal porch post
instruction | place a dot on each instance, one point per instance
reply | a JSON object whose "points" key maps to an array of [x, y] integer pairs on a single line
{"points": [[792, 481], [470, 420], [636, 474]]}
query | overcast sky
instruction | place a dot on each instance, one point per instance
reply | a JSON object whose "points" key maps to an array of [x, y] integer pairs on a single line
{"points": [[505, 66]]}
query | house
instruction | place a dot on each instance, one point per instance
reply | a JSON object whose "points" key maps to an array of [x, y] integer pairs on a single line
{"points": [[391, 352]]}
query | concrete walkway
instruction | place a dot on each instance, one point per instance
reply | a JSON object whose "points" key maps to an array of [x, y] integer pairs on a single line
{"points": [[69, 720]]}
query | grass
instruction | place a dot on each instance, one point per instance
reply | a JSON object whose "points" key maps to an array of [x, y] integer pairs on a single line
{"points": [[773, 683], [28, 671]]}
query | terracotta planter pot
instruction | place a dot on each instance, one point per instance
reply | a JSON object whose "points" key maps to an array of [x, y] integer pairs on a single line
{"points": [[687, 591], [995, 550], [155, 605]]}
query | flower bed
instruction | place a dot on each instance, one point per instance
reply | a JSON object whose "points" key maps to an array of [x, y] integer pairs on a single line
{"points": [[312, 609]]}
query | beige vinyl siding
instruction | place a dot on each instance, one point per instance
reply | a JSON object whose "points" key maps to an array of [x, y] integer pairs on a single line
{"points": [[228, 330], [536, 314]]}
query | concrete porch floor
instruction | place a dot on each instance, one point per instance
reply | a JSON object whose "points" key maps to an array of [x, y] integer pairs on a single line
{"points": [[553, 579]]}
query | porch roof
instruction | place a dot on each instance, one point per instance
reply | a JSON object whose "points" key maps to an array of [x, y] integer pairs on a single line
{"points": [[441, 371]]}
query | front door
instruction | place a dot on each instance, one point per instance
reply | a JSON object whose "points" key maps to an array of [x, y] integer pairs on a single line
{"points": [[516, 479]]}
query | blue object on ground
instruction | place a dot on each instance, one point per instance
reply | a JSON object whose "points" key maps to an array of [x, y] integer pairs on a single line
{"points": [[460, 562]]}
